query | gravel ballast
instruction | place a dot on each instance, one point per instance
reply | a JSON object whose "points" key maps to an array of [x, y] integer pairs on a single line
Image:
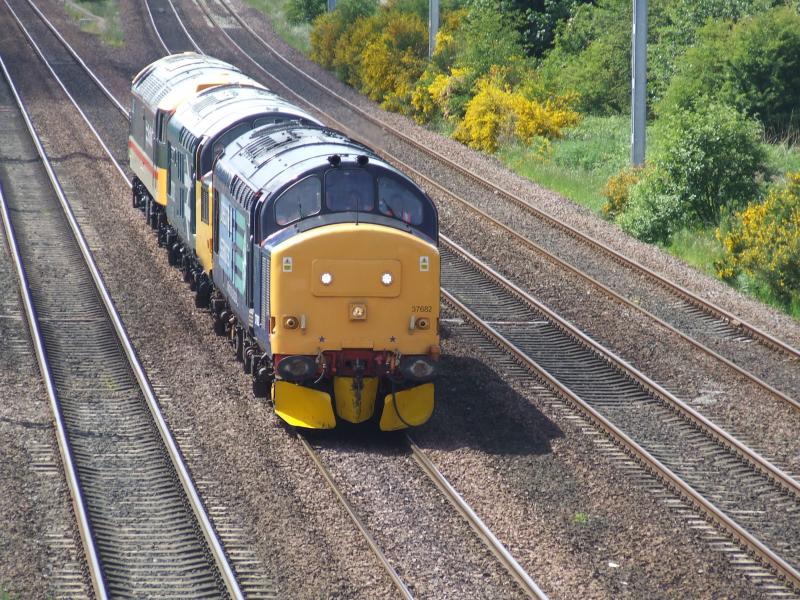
{"points": [[274, 494], [40, 551]]}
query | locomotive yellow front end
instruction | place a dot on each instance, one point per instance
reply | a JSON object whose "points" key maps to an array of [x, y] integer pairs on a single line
{"points": [[354, 310]]}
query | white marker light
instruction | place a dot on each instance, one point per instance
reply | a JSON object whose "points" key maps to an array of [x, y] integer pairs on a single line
{"points": [[326, 278], [386, 279]]}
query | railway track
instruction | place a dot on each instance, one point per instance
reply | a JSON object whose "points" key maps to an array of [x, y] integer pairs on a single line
{"points": [[526, 583], [690, 475], [725, 327], [743, 493], [170, 30], [144, 528], [769, 363]]}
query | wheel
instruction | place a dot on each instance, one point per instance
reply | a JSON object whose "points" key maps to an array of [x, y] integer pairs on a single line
{"points": [[202, 299], [238, 344], [219, 326], [260, 388], [249, 359]]}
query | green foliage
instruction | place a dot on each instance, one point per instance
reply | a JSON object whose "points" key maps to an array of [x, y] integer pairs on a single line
{"points": [[763, 244], [303, 11], [753, 65], [100, 18], [676, 26], [489, 38], [538, 20], [706, 166], [580, 518], [329, 28], [592, 57], [591, 51]]}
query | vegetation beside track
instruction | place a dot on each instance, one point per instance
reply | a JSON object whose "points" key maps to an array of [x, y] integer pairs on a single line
{"points": [[545, 86], [98, 17]]}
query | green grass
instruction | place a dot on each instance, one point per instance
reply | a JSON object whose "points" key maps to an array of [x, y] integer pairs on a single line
{"points": [[578, 165], [580, 518], [783, 158], [698, 247], [294, 35], [98, 17]]}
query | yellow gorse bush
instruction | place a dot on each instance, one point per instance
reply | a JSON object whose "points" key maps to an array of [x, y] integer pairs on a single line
{"points": [[617, 190], [385, 55], [497, 114], [431, 97], [323, 38], [764, 243]]}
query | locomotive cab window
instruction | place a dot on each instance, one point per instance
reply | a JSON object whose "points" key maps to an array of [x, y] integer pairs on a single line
{"points": [[301, 200], [349, 189], [396, 200]]}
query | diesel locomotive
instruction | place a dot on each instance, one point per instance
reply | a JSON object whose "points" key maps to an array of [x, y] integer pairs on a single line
{"points": [[317, 259]]}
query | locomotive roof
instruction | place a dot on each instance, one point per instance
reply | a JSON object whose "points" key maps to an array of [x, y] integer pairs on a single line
{"points": [[165, 82], [214, 110], [267, 157]]}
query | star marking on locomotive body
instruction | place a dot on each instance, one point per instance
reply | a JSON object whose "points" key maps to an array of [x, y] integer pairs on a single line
{"points": [[322, 338], [393, 339]]}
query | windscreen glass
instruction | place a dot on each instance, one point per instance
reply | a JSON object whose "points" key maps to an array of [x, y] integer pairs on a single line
{"points": [[301, 200], [397, 200], [349, 190]]}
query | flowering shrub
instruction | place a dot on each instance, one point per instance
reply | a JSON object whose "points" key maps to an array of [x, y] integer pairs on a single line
{"points": [[438, 94], [498, 114], [764, 242], [323, 39], [544, 119], [618, 189], [331, 26], [383, 52], [351, 46], [392, 63]]}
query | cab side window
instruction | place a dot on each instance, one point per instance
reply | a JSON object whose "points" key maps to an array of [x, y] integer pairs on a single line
{"points": [[301, 200], [229, 136], [396, 200]]}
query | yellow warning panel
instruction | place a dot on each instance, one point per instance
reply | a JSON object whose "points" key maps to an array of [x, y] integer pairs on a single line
{"points": [[354, 404], [303, 407], [406, 408]]}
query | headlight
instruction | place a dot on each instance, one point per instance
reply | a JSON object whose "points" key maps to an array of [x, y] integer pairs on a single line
{"points": [[326, 278], [297, 368], [386, 279], [417, 368]]}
